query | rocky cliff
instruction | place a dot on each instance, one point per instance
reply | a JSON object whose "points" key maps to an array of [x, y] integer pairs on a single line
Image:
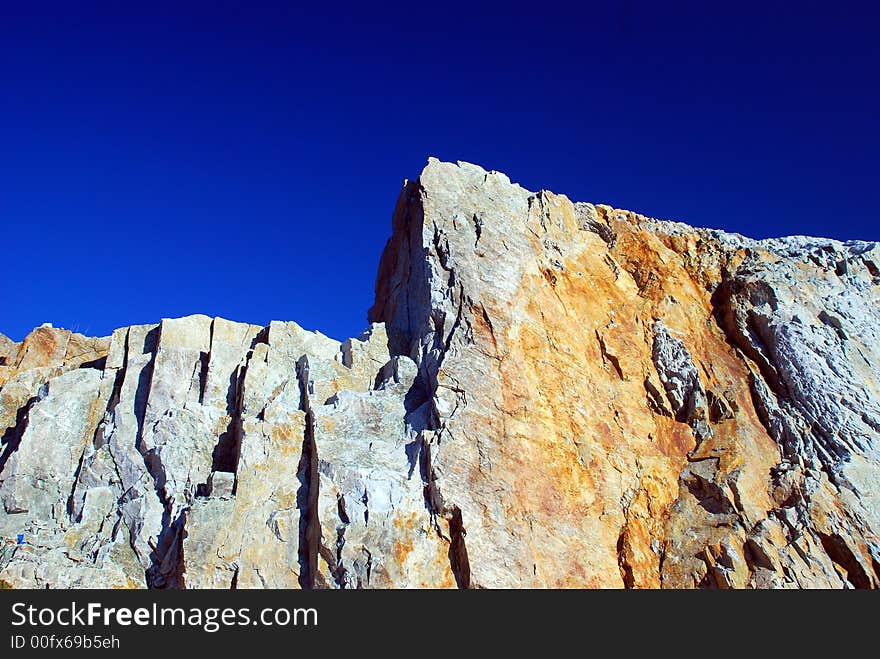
{"points": [[550, 394]]}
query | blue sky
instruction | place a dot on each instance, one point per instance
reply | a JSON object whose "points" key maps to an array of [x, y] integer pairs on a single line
{"points": [[243, 159]]}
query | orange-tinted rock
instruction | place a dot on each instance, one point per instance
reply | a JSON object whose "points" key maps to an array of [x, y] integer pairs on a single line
{"points": [[551, 394], [596, 420], [50, 347]]}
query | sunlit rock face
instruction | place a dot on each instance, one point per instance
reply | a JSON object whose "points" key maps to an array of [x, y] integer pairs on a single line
{"points": [[549, 394]]}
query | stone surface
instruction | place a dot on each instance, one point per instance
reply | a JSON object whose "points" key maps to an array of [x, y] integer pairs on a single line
{"points": [[549, 394]]}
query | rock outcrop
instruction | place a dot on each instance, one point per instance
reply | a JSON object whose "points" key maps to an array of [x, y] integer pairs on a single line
{"points": [[550, 394]]}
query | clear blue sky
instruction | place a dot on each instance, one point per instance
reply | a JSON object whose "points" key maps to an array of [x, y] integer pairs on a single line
{"points": [[243, 159]]}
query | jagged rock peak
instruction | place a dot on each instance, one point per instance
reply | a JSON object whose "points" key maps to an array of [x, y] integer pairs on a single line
{"points": [[550, 394]]}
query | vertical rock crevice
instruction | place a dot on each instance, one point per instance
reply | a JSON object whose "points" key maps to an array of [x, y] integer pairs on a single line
{"points": [[166, 558], [227, 452], [626, 569], [11, 439], [458, 555], [310, 480]]}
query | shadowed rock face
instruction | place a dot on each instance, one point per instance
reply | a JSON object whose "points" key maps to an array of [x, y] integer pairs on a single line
{"points": [[550, 394]]}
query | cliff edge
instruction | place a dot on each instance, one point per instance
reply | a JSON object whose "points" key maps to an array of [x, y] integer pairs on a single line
{"points": [[549, 394]]}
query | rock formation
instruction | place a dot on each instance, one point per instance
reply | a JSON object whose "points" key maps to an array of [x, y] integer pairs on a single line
{"points": [[550, 394]]}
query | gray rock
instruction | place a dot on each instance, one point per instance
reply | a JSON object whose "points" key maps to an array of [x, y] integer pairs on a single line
{"points": [[549, 394]]}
